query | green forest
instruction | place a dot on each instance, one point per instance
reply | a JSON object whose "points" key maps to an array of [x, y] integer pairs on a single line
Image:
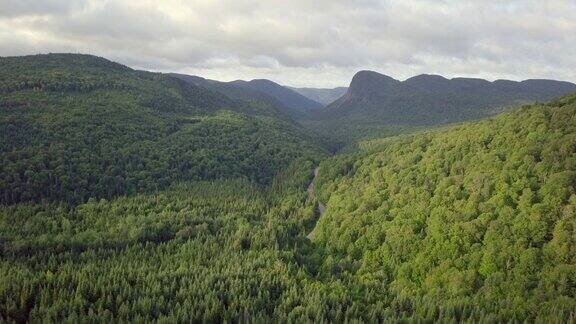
{"points": [[480, 216], [80, 127], [131, 196]]}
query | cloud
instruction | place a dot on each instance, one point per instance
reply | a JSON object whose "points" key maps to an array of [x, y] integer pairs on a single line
{"points": [[15, 8], [300, 42]]}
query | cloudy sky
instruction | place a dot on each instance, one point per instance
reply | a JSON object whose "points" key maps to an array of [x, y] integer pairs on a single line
{"points": [[305, 42]]}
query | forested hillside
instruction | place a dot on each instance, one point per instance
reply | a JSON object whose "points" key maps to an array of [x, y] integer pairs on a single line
{"points": [[433, 99], [264, 102], [478, 218], [80, 127], [260, 92], [288, 97]]}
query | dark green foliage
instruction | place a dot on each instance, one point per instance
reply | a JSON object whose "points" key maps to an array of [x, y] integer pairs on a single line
{"points": [[296, 104], [79, 127], [260, 103], [342, 134], [218, 251], [263, 94], [480, 215], [432, 99]]}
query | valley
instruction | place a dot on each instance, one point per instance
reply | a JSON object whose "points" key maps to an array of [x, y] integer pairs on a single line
{"points": [[134, 196]]}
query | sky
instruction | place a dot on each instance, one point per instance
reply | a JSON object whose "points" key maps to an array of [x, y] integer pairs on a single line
{"points": [[318, 43]]}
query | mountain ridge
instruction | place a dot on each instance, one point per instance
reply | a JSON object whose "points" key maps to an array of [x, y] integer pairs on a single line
{"points": [[262, 91], [287, 96], [371, 92], [132, 196]]}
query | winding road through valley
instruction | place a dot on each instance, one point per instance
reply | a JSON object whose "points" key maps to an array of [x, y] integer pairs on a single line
{"points": [[320, 207]]}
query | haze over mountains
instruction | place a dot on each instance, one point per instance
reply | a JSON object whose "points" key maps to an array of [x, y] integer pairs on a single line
{"points": [[378, 105], [322, 95], [225, 161], [289, 98], [375, 104]]}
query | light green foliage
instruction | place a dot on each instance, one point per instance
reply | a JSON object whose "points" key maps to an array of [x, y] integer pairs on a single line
{"points": [[479, 215]]}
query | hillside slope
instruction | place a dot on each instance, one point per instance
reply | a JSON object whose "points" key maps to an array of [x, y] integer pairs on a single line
{"points": [[208, 251], [259, 100], [79, 126], [478, 218]]}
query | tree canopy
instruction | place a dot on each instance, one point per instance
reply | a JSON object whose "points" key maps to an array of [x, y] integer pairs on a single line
{"points": [[133, 196]]}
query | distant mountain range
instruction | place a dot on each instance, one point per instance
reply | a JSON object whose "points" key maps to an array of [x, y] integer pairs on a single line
{"points": [[261, 91], [432, 99], [322, 95], [378, 105], [286, 96]]}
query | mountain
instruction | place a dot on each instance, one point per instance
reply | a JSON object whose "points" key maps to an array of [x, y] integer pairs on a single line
{"points": [[260, 92], [79, 127], [433, 99], [289, 98], [472, 218], [322, 95], [231, 90], [378, 105]]}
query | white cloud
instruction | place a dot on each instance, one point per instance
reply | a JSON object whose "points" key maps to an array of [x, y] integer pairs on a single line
{"points": [[300, 42]]}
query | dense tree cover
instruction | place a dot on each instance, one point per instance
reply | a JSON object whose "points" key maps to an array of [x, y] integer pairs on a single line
{"points": [[263, 93], [480, 215], [216, 251], [132, 196], [433, 99], [198, 251], [343, 134], [259, 100], [79, 127], [298, 105]]}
